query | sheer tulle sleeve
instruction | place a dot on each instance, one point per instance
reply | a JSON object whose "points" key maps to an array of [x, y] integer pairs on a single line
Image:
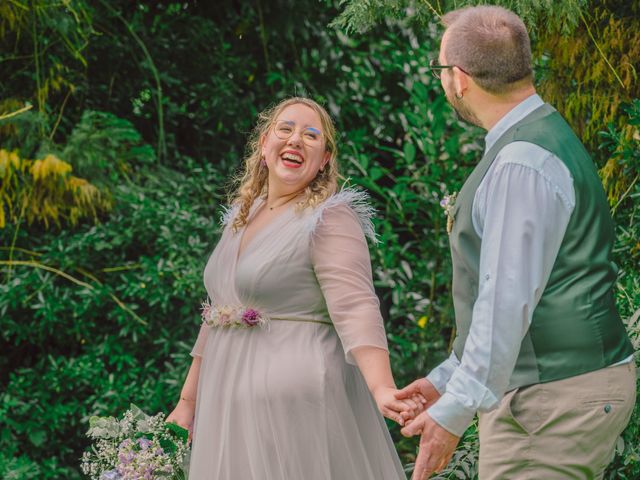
{"points": [[341, 261], [198, 347]]}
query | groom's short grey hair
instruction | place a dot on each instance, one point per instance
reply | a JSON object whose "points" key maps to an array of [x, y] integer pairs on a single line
{"points": [[491, 44]]}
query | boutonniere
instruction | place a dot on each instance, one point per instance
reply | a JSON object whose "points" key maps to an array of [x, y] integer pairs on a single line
{"points": [[448, 203]]}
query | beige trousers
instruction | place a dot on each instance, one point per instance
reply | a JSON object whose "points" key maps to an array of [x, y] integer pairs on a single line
{"points": [[565, 429]]}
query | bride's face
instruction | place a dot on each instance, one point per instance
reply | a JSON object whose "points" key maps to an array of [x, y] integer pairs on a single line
{"points": [[295, 148]]}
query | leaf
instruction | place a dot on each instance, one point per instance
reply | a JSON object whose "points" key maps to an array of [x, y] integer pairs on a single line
{"points": [[409, 152], [406, 268], [375, 173], [103, 427], [38, 437], [178, 431], [138, 414]]}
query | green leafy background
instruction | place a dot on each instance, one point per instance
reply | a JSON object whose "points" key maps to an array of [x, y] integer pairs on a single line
{"points": [[152, 103]]}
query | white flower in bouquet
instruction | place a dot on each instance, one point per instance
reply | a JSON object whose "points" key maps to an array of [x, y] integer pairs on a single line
{"points": [[136, 447]]}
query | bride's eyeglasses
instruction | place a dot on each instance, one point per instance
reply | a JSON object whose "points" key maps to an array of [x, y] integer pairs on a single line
{"points": [[284, 129]]}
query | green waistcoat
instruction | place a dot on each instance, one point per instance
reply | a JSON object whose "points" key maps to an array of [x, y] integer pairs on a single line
{"points": [[575, 327]]}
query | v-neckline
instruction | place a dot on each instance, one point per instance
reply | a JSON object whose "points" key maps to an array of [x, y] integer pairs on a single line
{"points": [[241, 253]]}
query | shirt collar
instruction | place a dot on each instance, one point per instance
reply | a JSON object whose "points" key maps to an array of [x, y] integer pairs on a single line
{"points": [[516, 114]]}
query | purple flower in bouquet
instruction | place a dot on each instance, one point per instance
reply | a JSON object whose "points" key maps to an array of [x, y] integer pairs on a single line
{"points": [[130, 448], [125, 457], [125, 453], [144, 443], [251, 317], [126, 443], [110, 475]]}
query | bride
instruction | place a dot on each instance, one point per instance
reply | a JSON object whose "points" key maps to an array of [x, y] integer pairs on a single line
{"points": [[290, 371]]}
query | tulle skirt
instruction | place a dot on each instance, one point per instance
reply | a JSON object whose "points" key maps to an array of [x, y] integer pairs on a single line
{"points": [[282, 404]]}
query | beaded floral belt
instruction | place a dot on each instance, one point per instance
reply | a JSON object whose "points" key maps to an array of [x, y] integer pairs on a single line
{"points": [[232, 316], [240, 316]]}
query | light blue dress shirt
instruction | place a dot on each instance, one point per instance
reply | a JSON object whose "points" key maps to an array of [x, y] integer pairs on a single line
{"points": [[520, 210]]}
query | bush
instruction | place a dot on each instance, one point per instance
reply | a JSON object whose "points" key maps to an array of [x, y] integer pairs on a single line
{"points": [[115, 329], [103, 313]]}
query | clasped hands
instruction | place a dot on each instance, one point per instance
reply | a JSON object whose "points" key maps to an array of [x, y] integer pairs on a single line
{"points": [[408, 407]]}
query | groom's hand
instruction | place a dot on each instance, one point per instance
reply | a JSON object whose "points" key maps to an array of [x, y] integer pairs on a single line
{"points": [[421, 390], [436, 446], [392, 408]]}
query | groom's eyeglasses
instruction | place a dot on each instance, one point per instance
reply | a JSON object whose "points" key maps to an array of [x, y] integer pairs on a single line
{"points": [[436, 69]]}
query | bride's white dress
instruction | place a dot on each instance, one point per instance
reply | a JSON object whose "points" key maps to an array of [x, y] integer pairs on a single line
{"points": [[284, 401]]}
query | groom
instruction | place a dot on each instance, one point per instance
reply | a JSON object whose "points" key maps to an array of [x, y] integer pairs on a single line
{"points": [[541, 352]]}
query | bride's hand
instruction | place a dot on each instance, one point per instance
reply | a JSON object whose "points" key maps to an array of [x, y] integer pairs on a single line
{"points": [[421, 390], [183, 415], [418, 404], [397, 410]]}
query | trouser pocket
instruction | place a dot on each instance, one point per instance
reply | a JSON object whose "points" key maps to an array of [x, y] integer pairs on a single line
{"points": [[529, 408]]}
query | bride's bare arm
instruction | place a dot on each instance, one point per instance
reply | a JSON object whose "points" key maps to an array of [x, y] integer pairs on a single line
{"points": [[374, 364], [185, 410]]}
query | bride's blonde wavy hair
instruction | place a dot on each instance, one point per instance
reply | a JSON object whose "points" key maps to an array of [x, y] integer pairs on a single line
{"points": [[254, 181]]}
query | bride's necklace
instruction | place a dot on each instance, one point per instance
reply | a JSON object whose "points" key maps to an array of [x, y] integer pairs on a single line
{"points": [[274, 207]]}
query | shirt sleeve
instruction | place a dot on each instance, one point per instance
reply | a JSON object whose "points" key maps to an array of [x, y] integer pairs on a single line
{"points": [[342, 265], [440, 376], [521, 215]]}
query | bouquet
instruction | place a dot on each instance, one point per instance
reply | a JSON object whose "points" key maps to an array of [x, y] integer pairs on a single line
{"points": [[136, 447]]}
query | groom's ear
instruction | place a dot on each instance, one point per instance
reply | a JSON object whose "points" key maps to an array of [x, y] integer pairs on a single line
{"points": [[460, 81]]}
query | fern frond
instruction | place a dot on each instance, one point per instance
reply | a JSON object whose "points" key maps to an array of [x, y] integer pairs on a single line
{"points": [[359, 16], [44, 191]]}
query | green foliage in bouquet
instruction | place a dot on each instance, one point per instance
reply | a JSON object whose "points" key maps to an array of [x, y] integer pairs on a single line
{"points": [[136, 446]]}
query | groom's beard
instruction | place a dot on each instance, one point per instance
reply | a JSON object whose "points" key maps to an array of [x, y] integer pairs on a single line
{"points": [[462, 110]]}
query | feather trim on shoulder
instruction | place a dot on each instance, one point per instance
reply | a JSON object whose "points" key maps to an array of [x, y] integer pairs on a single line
{"points": [[228, 214], [355, 199]]}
